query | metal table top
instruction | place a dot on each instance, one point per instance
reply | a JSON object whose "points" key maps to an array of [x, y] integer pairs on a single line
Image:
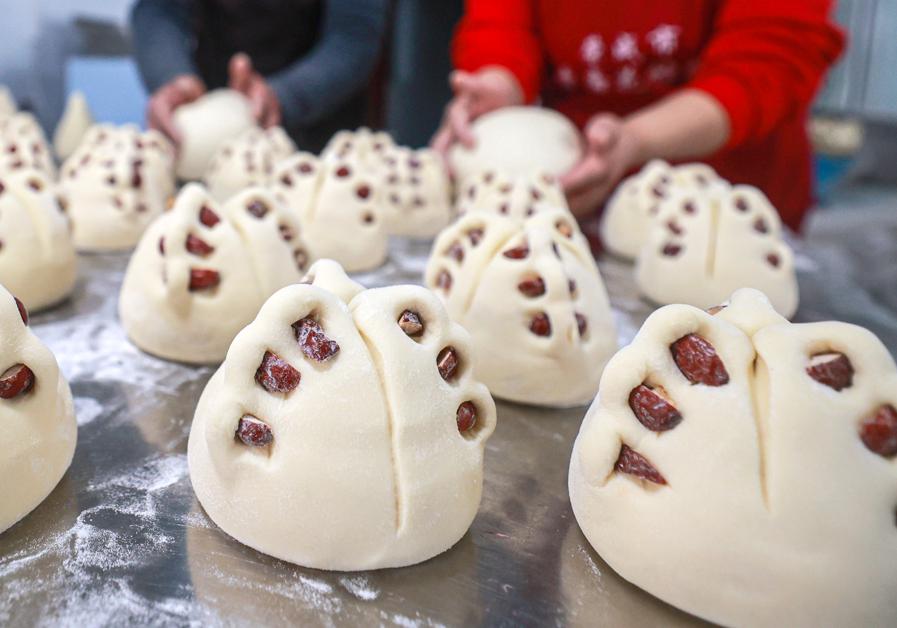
{"points": [[122, 539]]}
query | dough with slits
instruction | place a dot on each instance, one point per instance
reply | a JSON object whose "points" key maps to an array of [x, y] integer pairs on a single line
{"points": [[518, 196], [704, 246], [115, 184], [37, 427], [470, 270], [253, 257], [367, 468], [247, 160], [37, 257], [774, 511]]}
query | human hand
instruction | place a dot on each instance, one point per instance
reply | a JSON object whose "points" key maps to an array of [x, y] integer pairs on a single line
{"points": [[612, 148], [160, 108], [476, 93], [264, 101]]}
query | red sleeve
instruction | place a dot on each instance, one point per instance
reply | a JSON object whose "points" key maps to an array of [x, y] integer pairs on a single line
{"points": [[500, 32], [765, 60]]}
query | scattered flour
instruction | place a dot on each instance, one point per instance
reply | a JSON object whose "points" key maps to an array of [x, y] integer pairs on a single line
{"points": [[360, 587]]}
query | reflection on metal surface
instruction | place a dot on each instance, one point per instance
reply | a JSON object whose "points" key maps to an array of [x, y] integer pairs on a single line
{"points": [[122, 539]]}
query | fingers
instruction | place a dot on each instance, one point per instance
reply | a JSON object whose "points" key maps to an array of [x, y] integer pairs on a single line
{"points": [[592, 171], [461, 81], [459, 121], [588, 201], [442, 140], [240, 72]]}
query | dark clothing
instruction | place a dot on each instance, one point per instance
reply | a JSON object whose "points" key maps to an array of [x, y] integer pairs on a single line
{"points": [[318, 55]]}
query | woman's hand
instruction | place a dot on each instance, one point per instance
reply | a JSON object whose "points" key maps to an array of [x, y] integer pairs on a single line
{"points": [[244, 79], [612, 148], [476, 93], [160, 109]]}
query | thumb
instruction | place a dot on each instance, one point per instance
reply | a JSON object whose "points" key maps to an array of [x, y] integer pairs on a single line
{"points": [[462, 82], [240, 71], [602, 133]]}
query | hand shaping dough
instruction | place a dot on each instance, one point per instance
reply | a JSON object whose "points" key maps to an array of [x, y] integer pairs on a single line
{"points": [[114, 185], [532, 298], [519, 140], [745, 469], [37, 257], [205, 125], [201, 272], [702, 247], [247, 160], [38, 434], [519, 196], [74, 123], [339, 207], [417, 193], [632, 208], [344, 430], [23, 145]]}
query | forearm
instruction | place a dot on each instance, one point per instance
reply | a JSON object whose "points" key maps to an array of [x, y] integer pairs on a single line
{"points": [[338, 67], [688, 124], [163, 40]]}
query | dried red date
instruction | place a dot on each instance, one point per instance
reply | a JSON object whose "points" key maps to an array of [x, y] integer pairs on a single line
{"points": [[257, 208], [447, 363], [879, 432], [411, 323], [253, 432], [698, 361], [540, 324], [198, 246], [23, 312], [208, 217], [564, 229], [652, 409], [518, 252], [831, 369], [313, 341], [631, 462], [466, 417], [276, 375], [532, 287], [475, 236], [444, 280], [456, 251], [581, 324], [671, 250], [16, 380], [203, 279]]}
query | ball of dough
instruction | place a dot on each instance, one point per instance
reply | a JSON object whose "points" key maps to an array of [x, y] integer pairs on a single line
{"points": [[743, 468], [702, 247], [247, 160], [339, 205], [202, 271], [631, 210], [23, 145], [37, 256], [115, 184], [338, 423], [532, 298], [517, 196], [39, 432], [416, 193], [72, 126], [206, 124], [519, 140]]}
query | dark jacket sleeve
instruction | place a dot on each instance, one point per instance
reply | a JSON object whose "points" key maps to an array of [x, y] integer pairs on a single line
{"points": [[339, 65], [164, 40]]}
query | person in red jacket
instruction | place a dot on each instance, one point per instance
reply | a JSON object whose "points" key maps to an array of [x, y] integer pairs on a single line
{"points": [[728, 82]]}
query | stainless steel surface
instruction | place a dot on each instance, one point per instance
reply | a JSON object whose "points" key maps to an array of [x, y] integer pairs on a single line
{"points": [[122, 540]]}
